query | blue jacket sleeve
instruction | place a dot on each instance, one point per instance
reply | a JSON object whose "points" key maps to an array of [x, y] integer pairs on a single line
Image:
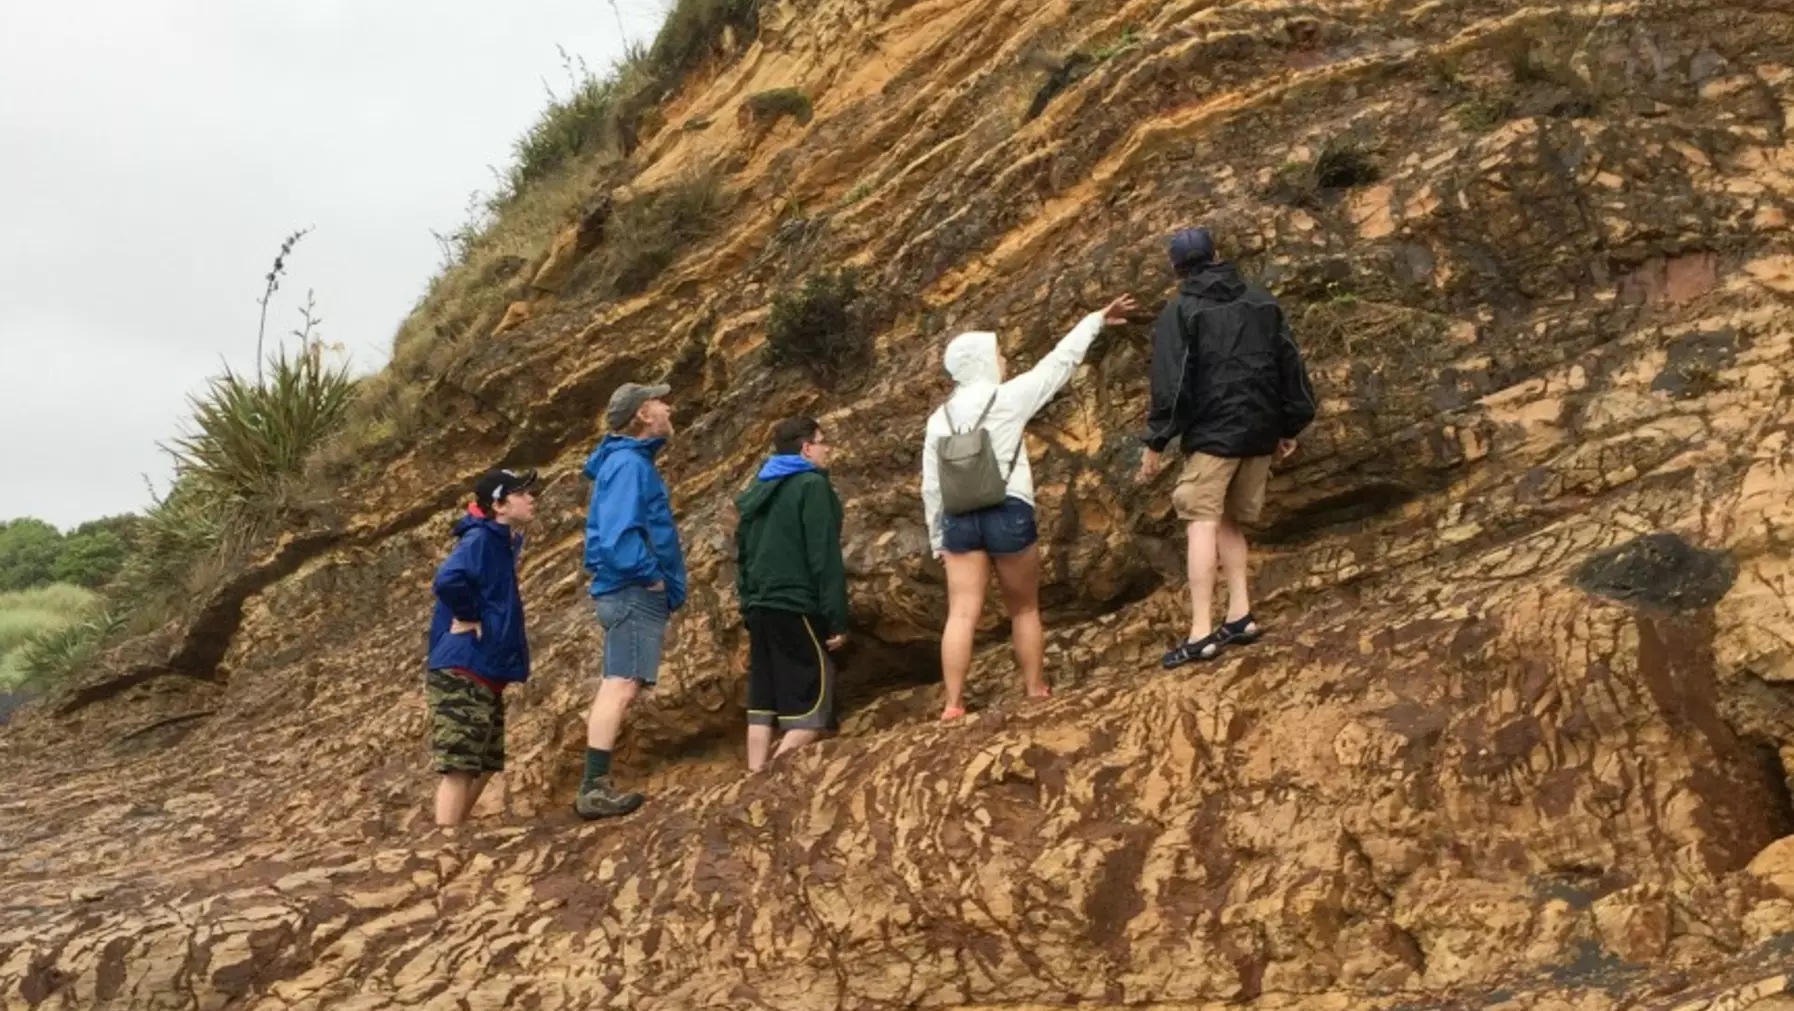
{"points": [[672, 562], [458, 580], [617, 535]]}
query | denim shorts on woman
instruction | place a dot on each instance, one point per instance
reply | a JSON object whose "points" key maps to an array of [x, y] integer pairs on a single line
{"points": [[1006, 529], [635, 626]]}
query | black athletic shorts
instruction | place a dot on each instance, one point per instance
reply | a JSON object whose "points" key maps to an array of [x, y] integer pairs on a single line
{"points": [[791, 678]]}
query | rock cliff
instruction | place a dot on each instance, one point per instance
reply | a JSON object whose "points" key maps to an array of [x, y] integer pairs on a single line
{"points": [[1520, 736]]}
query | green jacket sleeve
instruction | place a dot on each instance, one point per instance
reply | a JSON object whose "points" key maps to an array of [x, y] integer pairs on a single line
{"points": [[822, 553]]}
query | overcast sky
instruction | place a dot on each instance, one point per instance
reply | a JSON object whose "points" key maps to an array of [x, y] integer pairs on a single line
{"points": [[155, 153]]}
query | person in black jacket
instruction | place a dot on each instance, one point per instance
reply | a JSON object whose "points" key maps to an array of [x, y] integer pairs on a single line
{"points": [[1229, 386]]}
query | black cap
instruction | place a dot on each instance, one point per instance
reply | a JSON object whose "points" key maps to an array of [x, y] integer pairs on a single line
{"points": [[496, 484]]}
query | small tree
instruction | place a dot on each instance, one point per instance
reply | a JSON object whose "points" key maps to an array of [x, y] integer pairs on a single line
{"points": [[28, 551]]}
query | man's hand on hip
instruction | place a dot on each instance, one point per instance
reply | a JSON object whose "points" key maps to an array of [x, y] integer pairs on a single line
{"points": [[836, 642]]}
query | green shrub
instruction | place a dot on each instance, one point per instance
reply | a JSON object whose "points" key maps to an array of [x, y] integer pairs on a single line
{"points": [[28, 552], [56, 654], [248, 440], [30, 616], [816, 327], [90, 559], [25, 613], [568, 128], [692, 29], [1484, 113], [647, 234], [1343, 165], [768, 106]]}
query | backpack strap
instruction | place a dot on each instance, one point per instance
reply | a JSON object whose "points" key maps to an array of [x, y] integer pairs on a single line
{"points": [[953, 426], [992, 402]]}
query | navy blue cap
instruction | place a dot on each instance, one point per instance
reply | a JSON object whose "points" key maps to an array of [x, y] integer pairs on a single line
{"points": [[1192, 246]]}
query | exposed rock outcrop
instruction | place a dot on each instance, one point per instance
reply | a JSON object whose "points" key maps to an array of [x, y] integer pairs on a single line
{"points": [[1519, 736]]}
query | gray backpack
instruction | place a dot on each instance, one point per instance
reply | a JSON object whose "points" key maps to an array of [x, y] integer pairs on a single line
{"points": [[970, 477]]}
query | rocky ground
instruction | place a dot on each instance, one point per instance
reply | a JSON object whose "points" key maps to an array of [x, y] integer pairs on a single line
{"points": [[1520, 736]]}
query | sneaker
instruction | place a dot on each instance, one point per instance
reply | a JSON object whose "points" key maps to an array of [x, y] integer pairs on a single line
{"points": [[604, 800]]}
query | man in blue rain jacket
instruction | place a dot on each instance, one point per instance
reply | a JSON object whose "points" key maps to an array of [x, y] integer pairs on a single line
{"points": [[638, 577]]}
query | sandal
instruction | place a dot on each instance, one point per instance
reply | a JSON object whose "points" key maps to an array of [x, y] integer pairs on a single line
{"points": [[952, 713], [1197, 650], [1244, 631]]}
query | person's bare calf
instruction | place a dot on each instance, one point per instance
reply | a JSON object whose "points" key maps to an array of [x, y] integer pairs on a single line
{"points": [[759, 746], [1203, 537], [967, 575], [795, 739], [1230, 545], [456, 794], [1018, 576], [606, 718]]}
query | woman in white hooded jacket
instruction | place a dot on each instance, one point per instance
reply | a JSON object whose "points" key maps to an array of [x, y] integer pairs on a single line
{"points": [[969, 542]]}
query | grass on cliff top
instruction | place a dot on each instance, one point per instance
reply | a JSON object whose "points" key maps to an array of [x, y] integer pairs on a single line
{"points": [[575, 151], [28, 615], [601, 108]]}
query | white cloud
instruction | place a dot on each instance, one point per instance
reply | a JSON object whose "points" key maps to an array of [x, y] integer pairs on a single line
{"points": [[159, 150]]}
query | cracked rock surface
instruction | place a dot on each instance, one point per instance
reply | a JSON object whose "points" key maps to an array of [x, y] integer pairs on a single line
{"points": [[1519, 735]]}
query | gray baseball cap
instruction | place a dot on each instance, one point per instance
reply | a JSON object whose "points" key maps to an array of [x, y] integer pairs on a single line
{"points": [[629, 399]]}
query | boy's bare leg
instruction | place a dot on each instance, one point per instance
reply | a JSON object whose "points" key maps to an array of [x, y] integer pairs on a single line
{"points": [[795, 739], [473, 795], [455, 794], [759, 746]]}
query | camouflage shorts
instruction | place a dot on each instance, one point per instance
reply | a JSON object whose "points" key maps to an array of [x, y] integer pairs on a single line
{"points": [[467, 724]]}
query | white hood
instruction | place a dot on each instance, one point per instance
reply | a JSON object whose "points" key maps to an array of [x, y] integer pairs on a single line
{"points": [[971, 359]]}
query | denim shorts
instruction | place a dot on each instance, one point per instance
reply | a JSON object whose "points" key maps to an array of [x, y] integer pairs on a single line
{"points": [[1006, 529], [635, 626]]}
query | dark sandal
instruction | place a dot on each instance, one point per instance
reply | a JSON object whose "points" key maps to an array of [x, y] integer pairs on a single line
{"points": [[1235, 631], [1196, 651]]}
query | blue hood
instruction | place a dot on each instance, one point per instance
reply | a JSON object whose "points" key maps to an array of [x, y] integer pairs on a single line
{"points": [[613, 444], [784, 465], [630, 536]]}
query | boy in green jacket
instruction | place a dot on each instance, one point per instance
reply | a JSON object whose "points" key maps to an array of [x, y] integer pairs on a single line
{"points": [[793, 587]]}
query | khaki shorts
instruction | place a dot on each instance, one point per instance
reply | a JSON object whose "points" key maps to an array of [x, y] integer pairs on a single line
{"points": [[1213, 487]]}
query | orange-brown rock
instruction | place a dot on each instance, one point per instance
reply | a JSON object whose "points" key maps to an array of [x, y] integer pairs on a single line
{"points": [[1520, 734]]}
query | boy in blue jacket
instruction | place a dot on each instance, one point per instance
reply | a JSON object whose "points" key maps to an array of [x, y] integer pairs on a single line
{"points": [[638, 577], [477, 645]]}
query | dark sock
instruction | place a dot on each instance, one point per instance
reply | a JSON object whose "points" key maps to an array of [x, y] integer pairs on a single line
{"points": [[597, 764]]}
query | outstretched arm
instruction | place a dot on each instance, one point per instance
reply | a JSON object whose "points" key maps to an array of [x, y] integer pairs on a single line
{"points": [[1042, 382]]}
